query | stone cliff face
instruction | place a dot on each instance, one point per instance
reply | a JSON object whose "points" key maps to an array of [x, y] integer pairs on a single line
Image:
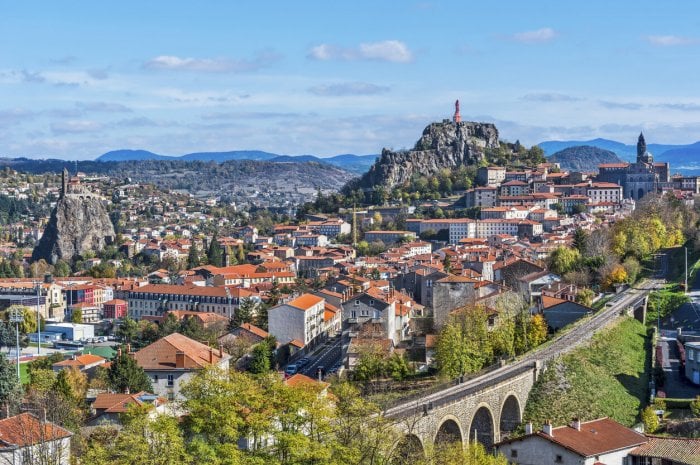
{"points": [[442, 145], [79, 223]]}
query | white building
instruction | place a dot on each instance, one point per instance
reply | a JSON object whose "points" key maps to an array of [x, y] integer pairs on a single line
{"points": [[27, 439], [581, 443], [300, 320]]}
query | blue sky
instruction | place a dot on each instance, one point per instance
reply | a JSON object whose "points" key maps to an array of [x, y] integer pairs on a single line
{"points": [[81, 78]]}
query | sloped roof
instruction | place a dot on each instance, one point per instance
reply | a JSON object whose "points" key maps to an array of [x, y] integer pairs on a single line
{"points": [[80, 360], [680, 450], [25, 429], [161, 354], [305, 301]]}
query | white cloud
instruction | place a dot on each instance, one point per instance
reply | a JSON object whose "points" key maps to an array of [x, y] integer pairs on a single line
{"points": [[212, 65], [670, 40], [544, 34], [393, 51], [348, 88], [75, 127]]}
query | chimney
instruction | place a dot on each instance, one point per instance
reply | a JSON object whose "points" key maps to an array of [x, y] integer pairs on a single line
{"points": [[576, 424], [528, 427], [179, 359], [43, 415], [547, 428]]}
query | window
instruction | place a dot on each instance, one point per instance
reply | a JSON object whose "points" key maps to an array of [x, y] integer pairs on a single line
{"points": [[357, 302], [691, 355], [155, 379], [171, 381], [514, 453], [558, 459]]}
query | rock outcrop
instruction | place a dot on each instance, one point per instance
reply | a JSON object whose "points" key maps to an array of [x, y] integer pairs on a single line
{"points": [[78, 224], [442, 145]]}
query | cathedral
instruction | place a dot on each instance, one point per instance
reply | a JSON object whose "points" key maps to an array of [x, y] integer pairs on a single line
{"points": [[639, 178]]}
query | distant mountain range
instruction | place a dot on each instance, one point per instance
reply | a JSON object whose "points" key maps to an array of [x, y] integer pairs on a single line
{"points": [[358, 164], [683, 158]]}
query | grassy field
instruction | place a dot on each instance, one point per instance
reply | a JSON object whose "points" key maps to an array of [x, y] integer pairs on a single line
{"points": [[608, 377]]}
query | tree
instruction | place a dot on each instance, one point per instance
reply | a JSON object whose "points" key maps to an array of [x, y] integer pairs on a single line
{"points": [[61, 269], [10, 388], [215, 255], [585, 297], [617, 275], [77, 315], [562, 260], [124, 373], [650, 419], [464, 345], [260, 359], [580, 238], [193, 256], [169, 325], [537, 332], [246, 311], [128, 330]]}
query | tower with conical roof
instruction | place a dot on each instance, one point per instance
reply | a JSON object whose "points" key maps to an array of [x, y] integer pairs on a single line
{"points": [[642, 155]]}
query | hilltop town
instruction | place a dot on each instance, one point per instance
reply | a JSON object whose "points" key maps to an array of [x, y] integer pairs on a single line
{"points": [[465, 268]]}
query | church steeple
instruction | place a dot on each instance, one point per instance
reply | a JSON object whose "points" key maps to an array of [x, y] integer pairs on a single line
{"points": [[642, 155], [641, 146]]}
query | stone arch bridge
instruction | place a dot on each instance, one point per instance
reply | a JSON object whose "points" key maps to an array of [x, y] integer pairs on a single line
{"points": [[485, 409], [490, 406]]}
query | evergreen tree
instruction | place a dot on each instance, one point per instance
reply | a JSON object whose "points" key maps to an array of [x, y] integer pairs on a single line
{"points": [[215, 253], [10, 388], [193, 256], [245, 312], [260, 359], [125, 373]]}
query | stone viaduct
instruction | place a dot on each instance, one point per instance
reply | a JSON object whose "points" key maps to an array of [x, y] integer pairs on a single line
{"points": [[483, 409], [487, 408]]}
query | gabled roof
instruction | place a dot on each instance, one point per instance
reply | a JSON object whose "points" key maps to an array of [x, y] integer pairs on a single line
{"points": [[25, 430], [161, 354], [80, 360], [119, 403], [595, 437], [679, 450]]}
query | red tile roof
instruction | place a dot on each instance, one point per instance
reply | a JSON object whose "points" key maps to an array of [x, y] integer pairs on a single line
{"points": [[25, 429], [306, 301], [161, 355]]}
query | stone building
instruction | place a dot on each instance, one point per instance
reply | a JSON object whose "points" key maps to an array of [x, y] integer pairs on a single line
{"points": [[639, 178]]}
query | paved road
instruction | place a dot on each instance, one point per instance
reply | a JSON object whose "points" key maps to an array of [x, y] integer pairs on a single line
{"points": [[676, 385], [328, 357], [558, 346]]}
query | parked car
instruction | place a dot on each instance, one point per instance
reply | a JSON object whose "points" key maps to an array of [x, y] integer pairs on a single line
{"points": [[291, 370]]}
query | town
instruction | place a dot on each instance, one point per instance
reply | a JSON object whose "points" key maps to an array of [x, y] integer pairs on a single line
{"points": [[127, 304]]}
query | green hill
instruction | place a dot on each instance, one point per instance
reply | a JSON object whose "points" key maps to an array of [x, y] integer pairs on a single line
{"points": [[608, 377], [584, 158]]}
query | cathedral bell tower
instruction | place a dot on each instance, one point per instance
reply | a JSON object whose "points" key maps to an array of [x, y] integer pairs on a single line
{"points": [[642, 155]]}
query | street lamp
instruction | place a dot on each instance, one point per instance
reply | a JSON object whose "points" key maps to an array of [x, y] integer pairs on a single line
{"points": [[17, 317]]}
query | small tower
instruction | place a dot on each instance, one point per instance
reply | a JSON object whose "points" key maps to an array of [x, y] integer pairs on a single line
{"points": [[457, 117]]}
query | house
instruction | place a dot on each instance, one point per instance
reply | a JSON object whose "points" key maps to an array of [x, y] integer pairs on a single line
{"points": [[301, 319], [585, 443], [115, 309], [108, 406], [666, 451], [174, 359], [83, 362], [27, 439], [560, 312]]}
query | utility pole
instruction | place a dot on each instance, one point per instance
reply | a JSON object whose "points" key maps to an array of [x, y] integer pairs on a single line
{"points": [[354, 226], [16, 317], [686, 269], [38, 318]]}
